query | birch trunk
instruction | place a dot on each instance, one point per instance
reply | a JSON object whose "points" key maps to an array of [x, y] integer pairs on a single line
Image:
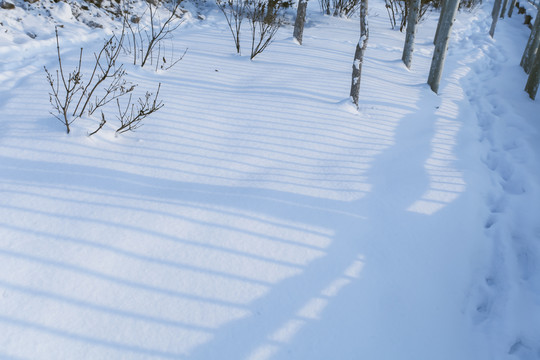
{"points": [[412, 21], [503, 11], [439, 55], [359, 53], [532, 82], [512, 6], [495, 16], [441, 15], [532, 46], [300, 21]]}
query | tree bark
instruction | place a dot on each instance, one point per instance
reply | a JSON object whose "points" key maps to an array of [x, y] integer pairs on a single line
{"points": [[503, 11], [495, 16], [359, 53], [412, 21], [441, 15], [534, 76], [441, 47], [512, 6], [532, 46], [300, 21]]}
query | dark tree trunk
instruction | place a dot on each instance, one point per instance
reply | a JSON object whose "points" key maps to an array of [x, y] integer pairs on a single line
{"points": [[300, 21], [532, 46], [534, 76], [512, 6], [503, 11]]}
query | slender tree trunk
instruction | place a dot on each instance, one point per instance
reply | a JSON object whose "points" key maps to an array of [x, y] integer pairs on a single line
{"points": [[439, 54], [512, 6], [503, 11], [412, 21], [359, 53], [390, 11], [532, 46], [270, 11], [300, 21], [495, 16], [534, 76], [441, 15]]}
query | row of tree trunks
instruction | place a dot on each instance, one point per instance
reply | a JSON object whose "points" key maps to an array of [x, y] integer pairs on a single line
{"points": [[530, 60]]}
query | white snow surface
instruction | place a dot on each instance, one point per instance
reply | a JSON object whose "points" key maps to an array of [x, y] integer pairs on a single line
{"points": [[259, 215]]}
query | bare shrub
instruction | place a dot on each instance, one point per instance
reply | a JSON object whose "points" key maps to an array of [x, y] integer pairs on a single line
{"points": [[339, 7], [72, 96], [61, 98], [265, 17], [398, 11], [131, 115], [234, 12], [145, 43]]}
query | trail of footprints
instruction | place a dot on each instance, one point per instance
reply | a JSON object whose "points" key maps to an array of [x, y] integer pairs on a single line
{"points": [[513, 261]]}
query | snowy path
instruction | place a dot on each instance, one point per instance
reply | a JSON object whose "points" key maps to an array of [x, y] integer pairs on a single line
{"points": [[510, 287], [257, 216]]}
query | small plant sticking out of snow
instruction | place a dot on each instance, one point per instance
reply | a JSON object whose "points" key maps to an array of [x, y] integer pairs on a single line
{"points": [[265, 18], [131, 116], [343, 8], [234, 11], [398, 11], [77, 94], [145, 42]]}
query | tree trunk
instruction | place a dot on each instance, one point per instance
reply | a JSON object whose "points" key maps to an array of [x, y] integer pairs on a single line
{"points": [[512, 6], [359, 53], [532, 46], [495, 16], [439, 54], [270, 11], [441, 15], [532, 82], [412, 21], [503, 11], [300, 20]]}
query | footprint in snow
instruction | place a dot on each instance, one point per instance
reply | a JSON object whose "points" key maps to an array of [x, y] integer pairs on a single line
{"points": [[490, 222]]}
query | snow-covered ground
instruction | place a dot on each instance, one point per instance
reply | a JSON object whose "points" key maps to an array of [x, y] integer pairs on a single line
{"points": [[258, 215]]}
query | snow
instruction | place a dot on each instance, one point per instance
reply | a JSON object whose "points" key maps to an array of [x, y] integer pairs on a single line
{"points": [[531, 9], [259, 214], [363, 38]]}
